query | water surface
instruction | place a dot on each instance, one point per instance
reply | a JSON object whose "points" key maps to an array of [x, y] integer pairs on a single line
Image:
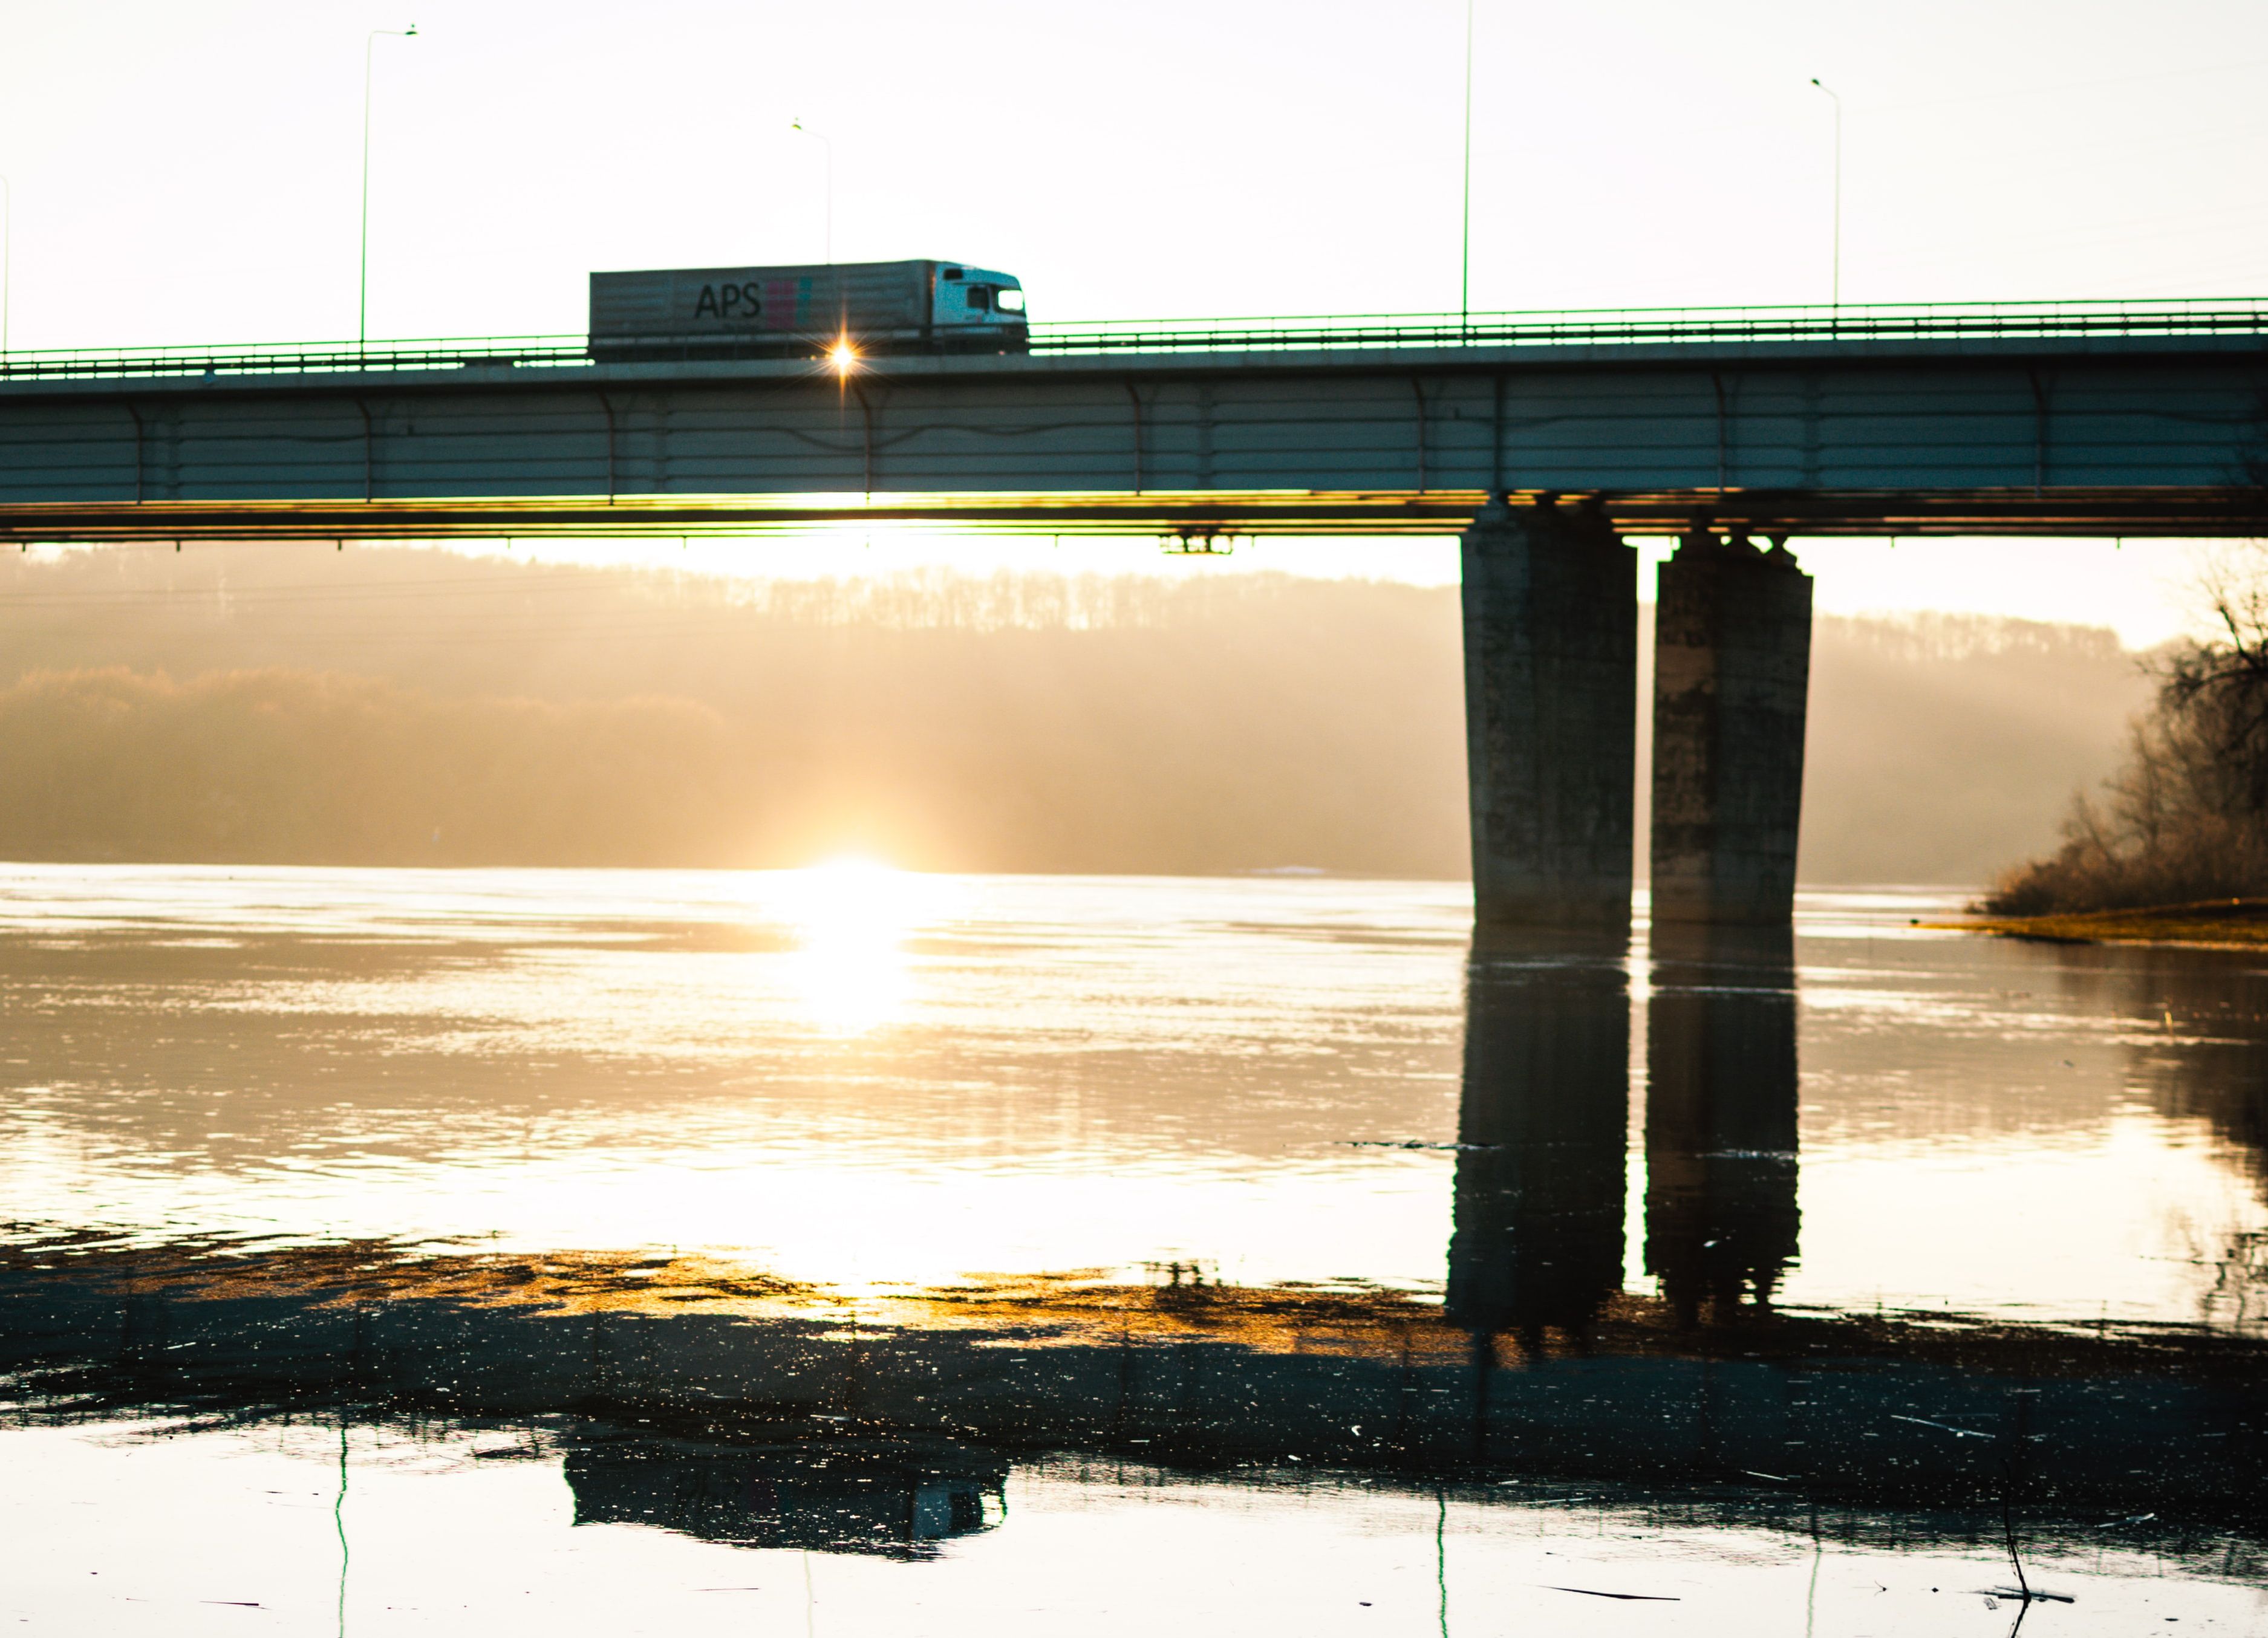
{"points": [[620, 1251]]}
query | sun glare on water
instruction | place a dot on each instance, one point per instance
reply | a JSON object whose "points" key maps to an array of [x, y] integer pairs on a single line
{"points": [[851, 918]]}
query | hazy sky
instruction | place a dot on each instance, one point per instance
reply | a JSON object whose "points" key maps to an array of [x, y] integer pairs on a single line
{"points": [[191, 174]]}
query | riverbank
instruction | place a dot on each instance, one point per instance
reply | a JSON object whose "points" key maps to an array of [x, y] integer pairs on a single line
{"points": [[2233, 923]]}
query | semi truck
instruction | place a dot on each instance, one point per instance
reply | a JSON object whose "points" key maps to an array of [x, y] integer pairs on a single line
{"points": [[807, 311]]}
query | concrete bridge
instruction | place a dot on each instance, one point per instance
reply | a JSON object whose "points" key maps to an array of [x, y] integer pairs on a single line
{"points": [[1543, 440]]}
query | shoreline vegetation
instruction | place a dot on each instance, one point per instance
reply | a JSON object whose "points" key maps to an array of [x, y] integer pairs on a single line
{"points": [[2219, 923], [2173, 848]]}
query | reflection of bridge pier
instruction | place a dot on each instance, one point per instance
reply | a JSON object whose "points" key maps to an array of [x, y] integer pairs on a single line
{"points": [[1542, 1132], [1720, 1116]]}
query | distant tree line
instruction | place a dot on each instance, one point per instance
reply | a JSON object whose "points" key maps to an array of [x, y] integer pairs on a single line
{"points": [[295, 767], [390, 705]]}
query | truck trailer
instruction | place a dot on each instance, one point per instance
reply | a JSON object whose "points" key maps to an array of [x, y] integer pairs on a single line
{"points": [[805, 312]]}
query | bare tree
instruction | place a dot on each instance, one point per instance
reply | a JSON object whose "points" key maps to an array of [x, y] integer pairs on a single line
{"points": [[2185, 817]]}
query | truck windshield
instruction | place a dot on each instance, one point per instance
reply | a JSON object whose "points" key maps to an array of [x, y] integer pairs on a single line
{"points": [[1010, 301]]}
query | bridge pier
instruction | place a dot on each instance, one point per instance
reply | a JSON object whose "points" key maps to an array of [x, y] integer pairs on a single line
{"points": [[1551, 619], [1731, 680]]}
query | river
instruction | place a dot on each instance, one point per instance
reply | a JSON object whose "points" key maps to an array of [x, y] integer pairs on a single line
{"points": [[848, 1251]]}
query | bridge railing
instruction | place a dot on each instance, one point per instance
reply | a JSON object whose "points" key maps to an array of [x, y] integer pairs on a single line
{"points": [[2240, 316], [501, 352], [1628, 325]]}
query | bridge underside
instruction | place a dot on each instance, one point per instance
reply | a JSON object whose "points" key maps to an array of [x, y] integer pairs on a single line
{"points": [[2187, 512]]}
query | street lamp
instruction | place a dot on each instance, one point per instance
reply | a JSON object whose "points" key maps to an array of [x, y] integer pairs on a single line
{"points": [[369, 46], [1465, 256], [797, 124], [1835, 278]]}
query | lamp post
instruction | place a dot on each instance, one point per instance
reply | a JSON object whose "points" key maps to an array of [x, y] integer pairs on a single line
{"points": [[1465, 255], [7, 246], [1834, 275], [362, 307], [797, 124]]}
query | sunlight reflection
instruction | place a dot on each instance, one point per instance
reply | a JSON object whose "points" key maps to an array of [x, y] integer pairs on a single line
{"points": [[851, 918]]}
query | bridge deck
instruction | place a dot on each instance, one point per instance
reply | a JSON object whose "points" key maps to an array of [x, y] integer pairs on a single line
{"points": [[2137, 420]]}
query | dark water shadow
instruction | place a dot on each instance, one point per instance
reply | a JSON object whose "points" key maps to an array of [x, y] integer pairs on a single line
{"points": [[2195, 1039], [1542, 1129], [1721, 1214]]}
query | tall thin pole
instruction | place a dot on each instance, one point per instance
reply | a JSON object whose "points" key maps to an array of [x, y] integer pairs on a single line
{"points": [[7, 249], [829, 144], [1465, 257], [1835, 276], [362, 306]]}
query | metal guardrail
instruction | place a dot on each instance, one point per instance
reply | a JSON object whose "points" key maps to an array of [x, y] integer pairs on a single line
{"points": [[2244, 316], [500, 352], [1622, 327]]}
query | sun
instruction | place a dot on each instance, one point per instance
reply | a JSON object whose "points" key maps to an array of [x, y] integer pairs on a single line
{"points": [[851, 898], [851, 917], [842, 357]]}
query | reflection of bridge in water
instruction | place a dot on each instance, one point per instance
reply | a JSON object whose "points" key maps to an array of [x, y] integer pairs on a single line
{"points": [[1542, 1131], [713, 1399], [842, 1494]]}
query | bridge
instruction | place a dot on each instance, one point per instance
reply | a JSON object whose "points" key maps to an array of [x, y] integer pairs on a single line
{"points": [[1542, 439]]}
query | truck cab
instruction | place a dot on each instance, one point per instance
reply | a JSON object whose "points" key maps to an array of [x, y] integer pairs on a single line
{"points": [[976, 307]]}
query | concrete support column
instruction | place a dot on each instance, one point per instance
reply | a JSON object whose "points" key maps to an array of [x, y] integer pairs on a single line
{"points": [[1732, 672], [1550, 605]]}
